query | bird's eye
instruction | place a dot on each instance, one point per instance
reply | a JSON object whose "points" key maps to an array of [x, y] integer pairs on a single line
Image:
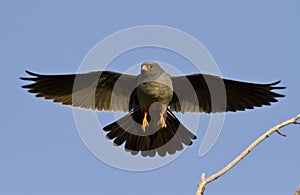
{"points": [[150, 66]]}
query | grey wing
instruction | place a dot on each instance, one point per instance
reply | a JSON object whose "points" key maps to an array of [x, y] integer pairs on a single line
{"points": [[209, 94], [99, 90]]}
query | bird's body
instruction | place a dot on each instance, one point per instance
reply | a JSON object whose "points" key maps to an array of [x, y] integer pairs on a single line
{"points": [[155, 87], [154, 93], [150, 126]]}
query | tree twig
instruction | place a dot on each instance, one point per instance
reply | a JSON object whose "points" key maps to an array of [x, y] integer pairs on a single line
{"points": [[298, 191], [204, 181]]}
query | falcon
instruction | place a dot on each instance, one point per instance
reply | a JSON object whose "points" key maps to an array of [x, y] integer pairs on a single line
{"points": [[150, 127]]}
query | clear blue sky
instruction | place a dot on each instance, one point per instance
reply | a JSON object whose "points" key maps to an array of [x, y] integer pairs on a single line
{"points": [[41, 151]]}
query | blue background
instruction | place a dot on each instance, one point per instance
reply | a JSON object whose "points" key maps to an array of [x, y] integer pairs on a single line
{"points": [[41, 151]]}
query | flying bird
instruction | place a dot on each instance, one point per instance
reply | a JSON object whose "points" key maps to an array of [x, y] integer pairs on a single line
{"points": [[150, 127]]}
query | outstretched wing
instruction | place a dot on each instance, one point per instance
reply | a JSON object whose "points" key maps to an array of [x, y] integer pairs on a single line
{"points": [[99, 90], [208, 93]]}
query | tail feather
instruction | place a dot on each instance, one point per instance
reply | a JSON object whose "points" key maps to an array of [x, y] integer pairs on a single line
{"points": [[162, 141]]}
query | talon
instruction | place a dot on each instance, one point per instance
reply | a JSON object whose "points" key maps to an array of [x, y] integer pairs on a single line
{"points": [[145, 122], [162, 121]]}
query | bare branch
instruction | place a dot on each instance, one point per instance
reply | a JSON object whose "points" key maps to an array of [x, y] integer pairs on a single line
{"points": [[204, 181], [298, 191], [201, 185], [280, 133]]}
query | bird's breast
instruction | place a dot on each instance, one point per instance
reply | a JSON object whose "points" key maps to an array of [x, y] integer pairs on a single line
{"points": [[150, 92]]}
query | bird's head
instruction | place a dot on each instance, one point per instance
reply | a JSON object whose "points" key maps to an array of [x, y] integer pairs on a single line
{"points": [[151, 69]]}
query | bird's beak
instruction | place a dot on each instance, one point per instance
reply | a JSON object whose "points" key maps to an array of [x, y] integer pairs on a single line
{"points": [[145, 67]]}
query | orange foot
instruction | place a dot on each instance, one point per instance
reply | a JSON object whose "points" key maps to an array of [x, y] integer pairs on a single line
{"points": [[145, 122], [162, 122]]}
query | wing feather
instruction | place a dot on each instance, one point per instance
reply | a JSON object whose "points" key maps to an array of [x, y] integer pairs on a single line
{"points": [[99, 90], [208, 93]]}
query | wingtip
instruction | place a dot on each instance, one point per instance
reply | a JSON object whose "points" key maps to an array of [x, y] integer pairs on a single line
{"points": [[26, 78], [27, 86], [31, 73], [30, 78], [273, 85]]}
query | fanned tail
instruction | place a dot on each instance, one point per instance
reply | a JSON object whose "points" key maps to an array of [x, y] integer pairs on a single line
{"points": [[154, 140]]}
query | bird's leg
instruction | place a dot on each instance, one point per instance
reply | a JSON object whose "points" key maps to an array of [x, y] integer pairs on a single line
{"points": [[161, 119], [145, 122]]}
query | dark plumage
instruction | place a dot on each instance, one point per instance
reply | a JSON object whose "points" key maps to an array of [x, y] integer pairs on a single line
{"points": [[150, 126]]}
